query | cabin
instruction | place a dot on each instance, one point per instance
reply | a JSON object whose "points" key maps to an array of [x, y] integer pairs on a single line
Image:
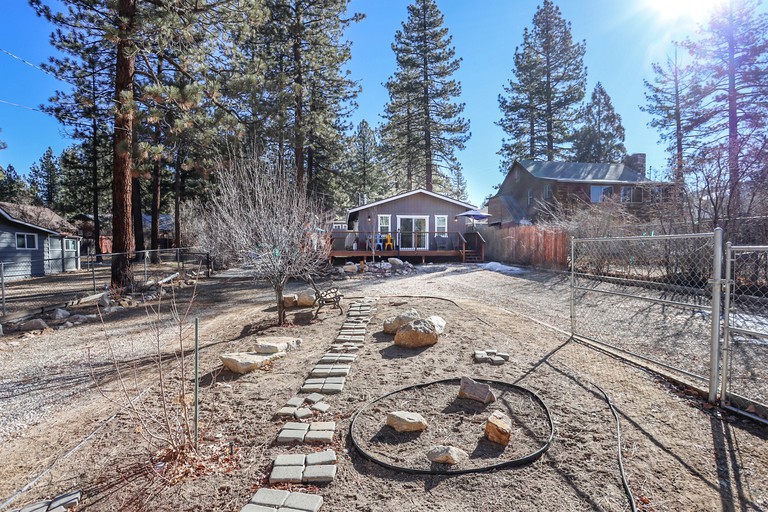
{"points": [[531, 186], [35, 241], [419, 224]]}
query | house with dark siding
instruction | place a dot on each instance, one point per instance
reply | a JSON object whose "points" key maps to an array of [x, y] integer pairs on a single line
{"points": [[35, 241], [416, 224], [531, 186]]}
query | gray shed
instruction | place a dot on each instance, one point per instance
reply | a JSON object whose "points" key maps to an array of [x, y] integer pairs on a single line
{"points": [[35, 241]]}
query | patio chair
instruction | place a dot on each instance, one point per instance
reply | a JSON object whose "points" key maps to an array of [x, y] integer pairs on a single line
{"points": [[331, 297], [388, 243]]}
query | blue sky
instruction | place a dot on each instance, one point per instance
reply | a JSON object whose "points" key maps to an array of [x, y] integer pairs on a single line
{"points": [[623, 39]]}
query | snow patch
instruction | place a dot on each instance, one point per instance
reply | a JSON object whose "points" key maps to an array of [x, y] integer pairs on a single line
{"points": [[503, 269]]}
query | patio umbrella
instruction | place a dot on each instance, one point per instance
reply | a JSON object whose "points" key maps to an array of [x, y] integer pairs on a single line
{"points": [[475, 215]]}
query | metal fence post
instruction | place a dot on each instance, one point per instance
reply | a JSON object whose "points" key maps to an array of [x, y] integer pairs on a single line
{"points": [[178, 258], [92, 261], [2, 283], [145, 266], [714, 351], [726, 321], [573, 284]]}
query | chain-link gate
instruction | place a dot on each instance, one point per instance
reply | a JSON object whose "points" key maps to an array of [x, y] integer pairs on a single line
{"points": [[745, 330], [651, 297]]}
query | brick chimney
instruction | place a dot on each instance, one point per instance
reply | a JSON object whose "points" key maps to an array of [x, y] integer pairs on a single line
{"points": [[636, 162]]}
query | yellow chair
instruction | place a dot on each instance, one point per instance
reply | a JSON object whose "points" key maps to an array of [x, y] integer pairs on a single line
{"points": [[388, 243]]}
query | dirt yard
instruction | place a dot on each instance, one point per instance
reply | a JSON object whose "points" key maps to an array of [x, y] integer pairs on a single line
{"points": [[678, 453]]}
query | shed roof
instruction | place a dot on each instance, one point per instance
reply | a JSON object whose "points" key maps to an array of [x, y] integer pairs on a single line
{"points": [[37, 217], [410, 193], [582, 172]]}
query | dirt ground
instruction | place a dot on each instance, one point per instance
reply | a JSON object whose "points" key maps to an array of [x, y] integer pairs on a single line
{"points": [[678, 454]]}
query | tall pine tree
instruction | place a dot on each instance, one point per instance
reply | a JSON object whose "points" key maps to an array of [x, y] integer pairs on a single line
{"points": [[542, 101], [422, 115], [601, 137], [45, 180]]}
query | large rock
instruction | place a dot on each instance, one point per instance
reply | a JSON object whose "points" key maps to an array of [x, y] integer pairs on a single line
{"points": [[392, 324], [274, 344], [447, 454], [104, 301], [36, 324], [395, 262], [405, 421], [498, 428], [439, 323], [244, 362], [476, 391], [306, 298], [416, 334], [350, 268], [78, 319], [59, 314], [290, 300]]}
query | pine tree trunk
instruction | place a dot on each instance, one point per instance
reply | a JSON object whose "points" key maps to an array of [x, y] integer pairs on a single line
{"points": [[298, 128], [177, 200], [138, 220], [734, 200], [122, 237], [95, 183]]}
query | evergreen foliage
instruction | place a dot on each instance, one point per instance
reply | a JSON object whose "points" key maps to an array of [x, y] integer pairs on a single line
{"points": [[541, 102], [601, 137], [424, 127], [45, 180], [13, 188]]}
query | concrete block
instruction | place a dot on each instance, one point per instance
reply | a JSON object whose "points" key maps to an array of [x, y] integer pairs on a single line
{"points": [[295, 425], [311, 388], [303, 412], [288, 459], [332, 389], [321, 406], [286, 411], [320, 474], [497, 360], [503, 355], [334, 380], [319, 436], [314, 398], [286, 474], [322, 425], [270, 497], [304, 502], [320, 372], [295, 402], [256, 508], [314, 381], [320, 458], [291, 436]]}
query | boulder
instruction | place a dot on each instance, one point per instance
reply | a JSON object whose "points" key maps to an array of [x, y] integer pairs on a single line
{"points": [[36, 324], [306, 298], [244, 362], [405, 421], [416, 334], [392, 324], [104, 301], [498, 428], [350, 268], [78, 319], [112, 309], [274, 344], [447, 454], [439, 323], [476, 391], [59, 314], [395, 262], [290, 300]]}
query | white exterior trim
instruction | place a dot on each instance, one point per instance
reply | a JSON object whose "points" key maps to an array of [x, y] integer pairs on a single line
{"points": [[426, 237], [412, 192]]}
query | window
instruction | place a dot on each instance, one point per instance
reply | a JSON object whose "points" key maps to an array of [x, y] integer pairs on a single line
{"points": [[441, 223], [631, 195], [385, 224], [26, 241], [530, 196], [69, 245], [547, 191], [599, 193]]}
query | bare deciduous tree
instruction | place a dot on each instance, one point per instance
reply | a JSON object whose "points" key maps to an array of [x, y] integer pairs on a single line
{"points": [[260, 218]]}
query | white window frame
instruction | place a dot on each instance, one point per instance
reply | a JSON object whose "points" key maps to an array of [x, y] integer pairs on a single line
{"points": [[70, 242], [388, 223], [547, 191], [602, 196], [426, 230], [634, 192], [530, 196], [437, 224], [26, 235]]}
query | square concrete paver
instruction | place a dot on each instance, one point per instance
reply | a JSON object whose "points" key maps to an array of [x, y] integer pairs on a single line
{"points": [[314, 381], [322, 425], [338, 372], [320, 474], [295, 425], [291, 436], [295, 402], [304, 502], [270, 497], [256, 508], [319, 436], [311, 388], [321, 406], [289, 459], [314, 398], [303, 412], [332, 389], [320, 372], [286, 411], [286, 474], [335, 380], [318, 458]]}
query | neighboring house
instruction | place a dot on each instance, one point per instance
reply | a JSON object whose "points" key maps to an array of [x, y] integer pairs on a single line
{"points": [[416, 223], [530, 186], [35, 241]]}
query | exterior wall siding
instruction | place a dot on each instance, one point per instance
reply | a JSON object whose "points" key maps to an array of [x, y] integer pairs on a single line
{"points": [[414, 205]]}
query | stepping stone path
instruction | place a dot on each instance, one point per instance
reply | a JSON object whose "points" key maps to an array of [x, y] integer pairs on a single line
{"points": [[491, 356], [325, 378]]}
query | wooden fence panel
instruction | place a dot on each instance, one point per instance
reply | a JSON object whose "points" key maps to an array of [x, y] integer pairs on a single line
{"points": [[528, 245]]}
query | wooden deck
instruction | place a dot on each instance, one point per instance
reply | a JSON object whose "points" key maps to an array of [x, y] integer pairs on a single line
{"points": [[425, 255]]}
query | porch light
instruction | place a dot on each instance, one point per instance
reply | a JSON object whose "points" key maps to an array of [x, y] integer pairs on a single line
{"points": [[456, 219], [369, 218]]}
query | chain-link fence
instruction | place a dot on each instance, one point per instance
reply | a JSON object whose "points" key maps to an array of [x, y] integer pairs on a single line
{"points": [[86, 275], [745, 339], [650, 297]]}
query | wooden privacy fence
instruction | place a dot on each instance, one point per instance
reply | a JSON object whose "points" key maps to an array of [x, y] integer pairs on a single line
{"points": [[528, 245]]}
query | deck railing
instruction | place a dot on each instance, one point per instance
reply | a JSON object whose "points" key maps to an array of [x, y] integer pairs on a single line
{"points": [[396, 241]]}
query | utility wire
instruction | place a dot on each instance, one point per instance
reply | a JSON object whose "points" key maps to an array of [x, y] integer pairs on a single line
{"points": [[35, 66]]}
